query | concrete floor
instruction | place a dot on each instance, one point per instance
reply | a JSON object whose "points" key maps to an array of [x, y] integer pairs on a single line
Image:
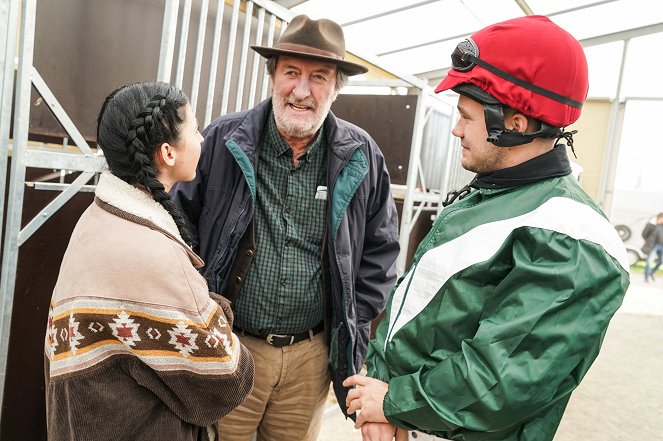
{"points": [[621, 396]]}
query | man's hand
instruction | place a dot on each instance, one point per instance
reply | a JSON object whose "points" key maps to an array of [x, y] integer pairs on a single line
{"points": [[378, 432], [367, 397]]}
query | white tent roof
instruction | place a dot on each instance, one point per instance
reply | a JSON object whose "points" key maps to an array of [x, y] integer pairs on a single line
{"points": [[410, 37]]}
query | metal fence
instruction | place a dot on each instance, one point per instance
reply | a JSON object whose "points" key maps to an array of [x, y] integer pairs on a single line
{"points": [[228, 58]]}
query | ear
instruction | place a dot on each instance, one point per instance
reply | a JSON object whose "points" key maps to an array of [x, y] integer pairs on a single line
{"points": [[165, 155], [519, 122]]}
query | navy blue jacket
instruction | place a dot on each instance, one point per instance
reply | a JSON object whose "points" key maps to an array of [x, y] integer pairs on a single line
{"points": [[361, 236]]}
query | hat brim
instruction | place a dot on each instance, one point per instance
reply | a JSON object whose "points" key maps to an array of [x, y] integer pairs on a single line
{"points": [[451, 80], [346, 66]]}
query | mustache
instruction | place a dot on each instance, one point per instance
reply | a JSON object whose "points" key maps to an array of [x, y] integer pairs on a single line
{"points": [[302, 103]]}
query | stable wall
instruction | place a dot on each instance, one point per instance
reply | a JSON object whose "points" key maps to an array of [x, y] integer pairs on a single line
{"points": [[590, 143]]}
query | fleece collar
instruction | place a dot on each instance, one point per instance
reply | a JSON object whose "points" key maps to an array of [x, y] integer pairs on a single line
{"points": [[114, 191]]}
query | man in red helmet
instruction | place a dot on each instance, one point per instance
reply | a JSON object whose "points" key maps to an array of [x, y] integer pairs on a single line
{"points": [[508, 298]]}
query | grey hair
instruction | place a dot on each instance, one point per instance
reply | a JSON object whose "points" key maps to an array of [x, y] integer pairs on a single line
{"points": [[341, 76]]}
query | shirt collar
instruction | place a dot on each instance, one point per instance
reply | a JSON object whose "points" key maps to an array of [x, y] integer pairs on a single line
{"points": [[280, 146]]}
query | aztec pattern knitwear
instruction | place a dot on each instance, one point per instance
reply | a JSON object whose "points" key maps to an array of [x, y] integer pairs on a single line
{"points": [[84, 332], [136, 347]]}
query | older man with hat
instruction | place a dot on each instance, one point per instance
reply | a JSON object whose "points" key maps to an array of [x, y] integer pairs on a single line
{"points": [[295, 221], [508, 298]]}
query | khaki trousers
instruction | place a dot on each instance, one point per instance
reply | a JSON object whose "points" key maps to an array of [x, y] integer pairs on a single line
{"points": [[289, 393]]}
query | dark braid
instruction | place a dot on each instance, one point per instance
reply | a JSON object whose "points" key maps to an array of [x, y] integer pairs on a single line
{"points": [[133, 122]]}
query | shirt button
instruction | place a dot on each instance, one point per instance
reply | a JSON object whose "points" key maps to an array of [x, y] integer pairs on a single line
{"points": [[414, 434], [287, 209], [249, 253], [238, 279], [287, 244], [284, 282]]}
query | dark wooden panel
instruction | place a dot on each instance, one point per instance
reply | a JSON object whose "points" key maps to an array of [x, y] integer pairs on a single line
{"points": [[84, 49], [389, 119]]}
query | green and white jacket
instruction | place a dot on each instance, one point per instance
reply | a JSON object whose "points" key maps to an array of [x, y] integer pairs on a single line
{"points": [[501, 314]]}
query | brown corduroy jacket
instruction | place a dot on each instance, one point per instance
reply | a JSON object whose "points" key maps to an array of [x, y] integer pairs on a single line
{"points": [[136, 348]]}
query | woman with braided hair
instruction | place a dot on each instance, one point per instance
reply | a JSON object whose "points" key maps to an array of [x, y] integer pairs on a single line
{"points": [[136, 347]]}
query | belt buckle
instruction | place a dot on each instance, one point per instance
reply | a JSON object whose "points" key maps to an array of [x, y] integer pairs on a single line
{"points": [[270, 339]]}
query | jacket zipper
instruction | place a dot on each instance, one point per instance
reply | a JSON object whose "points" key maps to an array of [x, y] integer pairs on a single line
{"points": [[349, 362]]}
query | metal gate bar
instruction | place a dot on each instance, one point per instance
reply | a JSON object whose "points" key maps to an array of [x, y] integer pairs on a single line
{"points": [[16, 182], [9, 22]]}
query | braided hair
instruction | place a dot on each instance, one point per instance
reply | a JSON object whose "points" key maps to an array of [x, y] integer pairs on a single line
{"points": [[133, 122]]}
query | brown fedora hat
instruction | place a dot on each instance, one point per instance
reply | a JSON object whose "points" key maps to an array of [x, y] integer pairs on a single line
{"points": [[313, 39]]}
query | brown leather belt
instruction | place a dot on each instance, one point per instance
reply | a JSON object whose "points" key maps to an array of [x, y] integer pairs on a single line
{"points": [[280, 340]]}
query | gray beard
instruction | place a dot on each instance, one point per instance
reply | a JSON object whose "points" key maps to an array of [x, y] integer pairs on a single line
{"points": [[297, 129], [294, 129]]}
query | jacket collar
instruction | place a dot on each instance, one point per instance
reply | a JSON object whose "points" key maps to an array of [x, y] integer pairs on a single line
{"points": [[339, 138], [249, 132], [134, 202]]}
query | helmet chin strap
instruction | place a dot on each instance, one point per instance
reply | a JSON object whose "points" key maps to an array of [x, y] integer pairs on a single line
{"points": [[503, 137]]}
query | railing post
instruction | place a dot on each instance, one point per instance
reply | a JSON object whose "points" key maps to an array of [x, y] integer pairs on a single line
{"points": [[168, 40], [16, 183]]}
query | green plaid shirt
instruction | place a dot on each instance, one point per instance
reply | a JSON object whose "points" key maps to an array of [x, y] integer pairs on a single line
{"points": [[282, 292]]}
